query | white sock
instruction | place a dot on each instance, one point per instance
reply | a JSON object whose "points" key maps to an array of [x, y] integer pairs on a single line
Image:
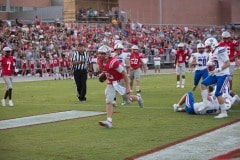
{"points": [[204, 94], [183, 81], [109, 119], [222, 107]]}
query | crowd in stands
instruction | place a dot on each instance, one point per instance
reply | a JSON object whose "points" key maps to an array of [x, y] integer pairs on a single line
{"points": [[39, 43]]}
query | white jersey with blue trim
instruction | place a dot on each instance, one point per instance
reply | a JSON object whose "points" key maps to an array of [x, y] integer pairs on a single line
{"points": [[201, 60], [122, 58], [219, 57]]}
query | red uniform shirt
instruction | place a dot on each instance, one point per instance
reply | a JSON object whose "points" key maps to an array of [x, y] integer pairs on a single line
{"points": [[110, 69], [24, 64], [181, 56], [230, 45], [64, 63], [55, 62], [135, 60], [8, 63], [43, 63], [32, 63]]}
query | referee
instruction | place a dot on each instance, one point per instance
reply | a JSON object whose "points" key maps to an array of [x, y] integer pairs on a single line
{"points": [[81, 66]]}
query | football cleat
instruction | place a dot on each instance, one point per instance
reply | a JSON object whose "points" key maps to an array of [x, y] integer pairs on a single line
{"points": [[175, 107], [182, 86], [10, 103], [140, 100], [237, 99], [222, 115], [106, 124], [3, 102], [178, 86]]}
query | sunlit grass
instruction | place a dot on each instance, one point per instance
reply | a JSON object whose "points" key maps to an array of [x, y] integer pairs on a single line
{"points": [[135, 129]]}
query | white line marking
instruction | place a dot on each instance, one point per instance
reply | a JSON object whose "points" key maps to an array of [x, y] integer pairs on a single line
{"points": [[45, 118], [205, 146]]}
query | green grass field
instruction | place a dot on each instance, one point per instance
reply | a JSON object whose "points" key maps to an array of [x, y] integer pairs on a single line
{"points": [[135, 129]]}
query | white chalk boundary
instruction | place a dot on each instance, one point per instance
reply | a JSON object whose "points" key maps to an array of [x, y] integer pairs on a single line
{"points": [[46, 118], [206, 146]]}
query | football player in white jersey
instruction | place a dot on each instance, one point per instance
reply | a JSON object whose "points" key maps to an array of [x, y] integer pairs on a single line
{"points": [[218, 66], [212, 105], [199, 60], [123, 58]]}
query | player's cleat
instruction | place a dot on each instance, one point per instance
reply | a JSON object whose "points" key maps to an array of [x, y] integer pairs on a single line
{"points": [[175, 107], [222, 115], [140, 100], [237, 99], [10, 103], [182, 86], [3, 102], [178, 86], [124, 103], [138, 91], [106, 124], [194, 88]]}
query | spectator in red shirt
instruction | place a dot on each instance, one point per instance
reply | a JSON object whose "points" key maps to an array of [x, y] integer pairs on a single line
{"points": [[8, 64]]}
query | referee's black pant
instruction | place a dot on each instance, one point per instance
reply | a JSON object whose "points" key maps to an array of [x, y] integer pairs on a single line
{"points": [[80, 77]]}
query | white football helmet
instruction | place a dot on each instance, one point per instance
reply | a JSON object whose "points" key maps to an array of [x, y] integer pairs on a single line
{"points": [[200, 45], [135, 47], [181, 45], [211, 42], [118, 46], [105, 49], [226, 34]]}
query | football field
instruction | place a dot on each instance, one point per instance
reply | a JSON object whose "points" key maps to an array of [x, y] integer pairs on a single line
{"points": [[135, 130]]}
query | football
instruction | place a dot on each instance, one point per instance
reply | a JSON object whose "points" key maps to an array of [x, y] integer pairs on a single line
{"points": [[102, 77], [211, 66]]}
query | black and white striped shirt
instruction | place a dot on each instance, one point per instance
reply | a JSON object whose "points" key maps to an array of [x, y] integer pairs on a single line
{"points": [[77, 56]]}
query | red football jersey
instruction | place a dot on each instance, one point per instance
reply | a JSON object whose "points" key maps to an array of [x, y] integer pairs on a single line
{"points": [[135, 60], [8, 65], [24, 64], [55, 62], [110, 69], [181, 56], [230, 45], [64, 63]]}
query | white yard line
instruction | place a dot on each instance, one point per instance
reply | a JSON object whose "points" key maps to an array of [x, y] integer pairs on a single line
{"points": [[206, 146], [46, 118]]}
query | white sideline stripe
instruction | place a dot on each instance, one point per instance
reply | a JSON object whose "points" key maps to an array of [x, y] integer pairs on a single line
{"points": [[45, 118], [209, 145]]}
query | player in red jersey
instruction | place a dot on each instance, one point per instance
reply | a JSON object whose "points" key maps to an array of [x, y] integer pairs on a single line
{"points": [[232, 47], [8, 64], [135, 67], [181, 55], [115, 73]]}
